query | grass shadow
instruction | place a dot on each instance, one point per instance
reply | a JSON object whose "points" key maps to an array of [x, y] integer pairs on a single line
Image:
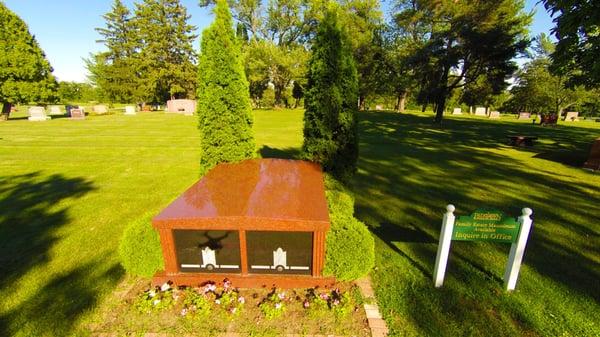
{"points": [[30, 217], [286, 153], [54, 309], [410, 169]]}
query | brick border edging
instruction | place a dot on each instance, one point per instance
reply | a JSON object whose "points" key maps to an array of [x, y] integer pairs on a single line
{"points": [[376, 322]]}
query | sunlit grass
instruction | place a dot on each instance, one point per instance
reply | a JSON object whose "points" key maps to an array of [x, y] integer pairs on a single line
{"points": [[68, 188]]}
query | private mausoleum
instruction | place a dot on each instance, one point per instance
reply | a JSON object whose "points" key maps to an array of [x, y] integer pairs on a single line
{"points": [[259, 222]]}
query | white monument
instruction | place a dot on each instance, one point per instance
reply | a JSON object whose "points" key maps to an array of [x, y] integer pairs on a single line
{"points": [[130, 110], [38, 113]]}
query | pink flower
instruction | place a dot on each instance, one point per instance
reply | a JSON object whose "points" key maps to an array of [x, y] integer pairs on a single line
{"points": [[233, 310], [306, 304], [324, 296], [226, 284], [336, 302], [281, 296], [277, 305], [242, 300], [184, 312]]}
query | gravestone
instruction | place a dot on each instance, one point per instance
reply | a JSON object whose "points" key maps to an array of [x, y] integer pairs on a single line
{"points": [[379, 107], [524, 115], [480, 111], [457, 111], [548, 119], [494, 115], [593, 162], [183, 106], [130, 110], [55, 110], [37, 113], [69, 107], [100, 109], [572, 116], [77, 113]]}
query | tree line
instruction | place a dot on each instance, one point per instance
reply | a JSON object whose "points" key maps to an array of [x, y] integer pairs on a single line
{"points": [[429, 53]]}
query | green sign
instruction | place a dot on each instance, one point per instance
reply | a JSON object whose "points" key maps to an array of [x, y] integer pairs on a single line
{"points": [[486, 225]]}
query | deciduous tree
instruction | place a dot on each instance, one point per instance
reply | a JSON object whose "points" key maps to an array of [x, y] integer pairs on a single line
{"points": [[465, 40], [25, 73], [578, 33]]}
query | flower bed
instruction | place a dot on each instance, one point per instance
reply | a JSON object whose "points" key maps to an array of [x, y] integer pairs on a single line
{"points": [[209, 310]]}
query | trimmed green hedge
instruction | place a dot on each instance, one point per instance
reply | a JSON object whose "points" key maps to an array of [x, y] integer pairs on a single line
{"points": [[139, 249], [350, 250]]}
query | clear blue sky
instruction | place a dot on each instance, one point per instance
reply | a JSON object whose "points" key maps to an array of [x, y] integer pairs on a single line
{"points": [[65, 28]]}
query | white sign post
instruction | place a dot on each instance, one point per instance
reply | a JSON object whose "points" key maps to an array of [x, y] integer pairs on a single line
{"points": [[517, 250], [441, 260], [515, 256]]}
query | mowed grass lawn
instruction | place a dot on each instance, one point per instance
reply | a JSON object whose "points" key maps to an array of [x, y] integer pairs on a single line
{"points": [[68, 188]]}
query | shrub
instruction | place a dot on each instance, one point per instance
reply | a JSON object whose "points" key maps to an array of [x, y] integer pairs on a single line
{"points": [[224, 110], [330, 129], [350, 251], [139, 249]]}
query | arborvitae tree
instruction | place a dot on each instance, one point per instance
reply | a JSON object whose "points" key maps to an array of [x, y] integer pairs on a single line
{"points": [[166, 62], [330, 101], [225, 114], [113, 71], [25, 73]]}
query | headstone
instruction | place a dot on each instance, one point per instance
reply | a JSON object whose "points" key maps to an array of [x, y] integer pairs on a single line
{"points": [[130, 110], [379, 107], [55, 110], [480, 111], [593, 161], [38, 113], [572, 116], [524, 115], [494, 115], [69, 107], [100, 109], [457, 111], [183, 106], [77, 113], [548, 119]]}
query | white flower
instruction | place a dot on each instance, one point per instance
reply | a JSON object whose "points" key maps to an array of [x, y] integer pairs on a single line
{"points": [[184, 312], [165, 287], [217, 301], [152, 293], [281, 296], [277, 305], [155, 302], [242, 300]]}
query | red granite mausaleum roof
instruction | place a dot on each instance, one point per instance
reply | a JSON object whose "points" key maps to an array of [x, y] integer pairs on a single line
{"points": [[257, 188]]}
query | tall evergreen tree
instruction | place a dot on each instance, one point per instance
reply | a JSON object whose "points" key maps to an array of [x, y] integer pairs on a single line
{"points": [[25, 73], [166, 62], [330, 130], [113, 71], [225, 114]]}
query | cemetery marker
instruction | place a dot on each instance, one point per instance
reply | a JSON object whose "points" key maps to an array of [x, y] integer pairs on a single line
{"points": [[484, 225]]}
